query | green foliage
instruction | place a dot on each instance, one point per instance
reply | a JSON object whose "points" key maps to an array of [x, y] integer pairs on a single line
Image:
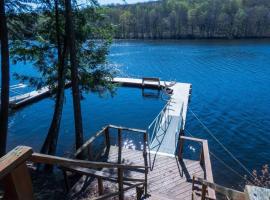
{"points": [[93, 38], [176, 19]]}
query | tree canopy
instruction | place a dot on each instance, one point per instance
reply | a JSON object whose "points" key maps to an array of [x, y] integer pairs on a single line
{"points": [[175, 19]]}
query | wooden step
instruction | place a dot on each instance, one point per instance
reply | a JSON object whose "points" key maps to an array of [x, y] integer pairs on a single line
{"points": [[98, 174], [158, 196]]}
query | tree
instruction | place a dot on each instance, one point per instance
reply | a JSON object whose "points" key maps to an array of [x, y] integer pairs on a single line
{"points": [[48, 50], [196, 19], [74, 74], [4, 79], [50, 142]]}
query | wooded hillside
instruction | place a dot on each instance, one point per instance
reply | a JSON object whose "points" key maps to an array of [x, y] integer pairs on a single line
{"points": [[175, 19]]}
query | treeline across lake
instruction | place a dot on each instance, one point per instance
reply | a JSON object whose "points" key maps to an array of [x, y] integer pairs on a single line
{"points": [[176, 19]]}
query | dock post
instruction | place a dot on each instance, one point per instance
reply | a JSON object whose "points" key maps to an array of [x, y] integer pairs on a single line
{"points": [[120, 183], [145, 162]]}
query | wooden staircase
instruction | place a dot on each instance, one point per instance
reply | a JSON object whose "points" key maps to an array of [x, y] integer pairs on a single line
{"points": [[17, 181], [18, 184]]}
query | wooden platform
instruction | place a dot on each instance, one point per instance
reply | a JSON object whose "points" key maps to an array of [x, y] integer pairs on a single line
{"points": [[27, 98], [169, 179]]}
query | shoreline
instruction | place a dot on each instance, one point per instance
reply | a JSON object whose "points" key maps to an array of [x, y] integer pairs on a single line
{"points": [[194, 39]]}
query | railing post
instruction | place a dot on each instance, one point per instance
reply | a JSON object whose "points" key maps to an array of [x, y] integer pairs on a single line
{"points": [[192, 189], [66, 180], [202, 156], [181, 147], [204, 187], [119, 145], [120, 183], [145, 162], [139, 193], [107, 137], [120, 170], [100, 186]]}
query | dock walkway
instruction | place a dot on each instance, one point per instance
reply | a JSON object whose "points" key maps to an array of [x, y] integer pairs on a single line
{"points": [[169, 125], [27, 98]]}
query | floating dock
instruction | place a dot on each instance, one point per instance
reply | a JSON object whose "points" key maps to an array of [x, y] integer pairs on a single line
{"points": [[28, 98]]}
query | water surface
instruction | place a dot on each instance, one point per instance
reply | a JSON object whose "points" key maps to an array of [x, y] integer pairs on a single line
{"points": [[231, 93]]}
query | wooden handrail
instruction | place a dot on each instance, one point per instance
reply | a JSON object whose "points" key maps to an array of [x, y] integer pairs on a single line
{"points": [[120, 167], [98, 174], [88, 142], [16, 178], [13, 159], [60, 161], [127, 129], [103, 131], [230, 193], [204, 159]]}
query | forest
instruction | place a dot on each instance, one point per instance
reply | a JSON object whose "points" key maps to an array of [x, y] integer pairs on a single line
{"points": [[177, 19]]}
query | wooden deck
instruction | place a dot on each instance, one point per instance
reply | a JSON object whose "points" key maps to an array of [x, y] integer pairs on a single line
{"points": [[169, 178]]}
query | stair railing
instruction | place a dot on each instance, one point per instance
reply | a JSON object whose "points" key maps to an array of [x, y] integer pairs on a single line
{"points": [[204, 160], [229, 193], [106, 132]]}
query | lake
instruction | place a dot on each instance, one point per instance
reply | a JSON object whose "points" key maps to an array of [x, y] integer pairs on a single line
{"points": [[230, 95]]}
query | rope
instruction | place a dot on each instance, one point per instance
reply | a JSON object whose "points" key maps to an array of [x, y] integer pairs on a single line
{"points": [[221, 161], [213, 136]]}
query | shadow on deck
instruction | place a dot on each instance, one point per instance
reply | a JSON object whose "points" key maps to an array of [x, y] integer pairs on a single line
{"points": [[171, 177]]}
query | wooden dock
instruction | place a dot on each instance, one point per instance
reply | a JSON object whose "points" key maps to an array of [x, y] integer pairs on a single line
{"points": [[169, 178], [172, 121], [17, 184], [157, 170], [28, 98]]}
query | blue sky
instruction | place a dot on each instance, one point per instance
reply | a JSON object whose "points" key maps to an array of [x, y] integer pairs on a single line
{"points": [[119, 1]]}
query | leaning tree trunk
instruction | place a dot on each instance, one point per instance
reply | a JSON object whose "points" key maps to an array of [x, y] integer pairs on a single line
{"points": [[50, 144], [74, 75], [4, 79]]}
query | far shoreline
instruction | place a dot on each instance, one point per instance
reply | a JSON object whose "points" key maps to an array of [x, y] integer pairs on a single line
{"points": [[209, 40]]}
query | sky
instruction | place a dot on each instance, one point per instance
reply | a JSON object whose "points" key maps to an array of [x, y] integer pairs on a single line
{"points": [[104, 2]]}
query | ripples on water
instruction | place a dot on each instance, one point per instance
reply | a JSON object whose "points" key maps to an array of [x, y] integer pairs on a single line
{"points": [[231, 95]]}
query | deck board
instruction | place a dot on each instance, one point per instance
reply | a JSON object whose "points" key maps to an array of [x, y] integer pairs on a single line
{"points": [[169, 179], [169, 176]]}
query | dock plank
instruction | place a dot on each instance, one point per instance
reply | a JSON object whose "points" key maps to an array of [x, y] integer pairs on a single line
{"points": [[168, 177]]}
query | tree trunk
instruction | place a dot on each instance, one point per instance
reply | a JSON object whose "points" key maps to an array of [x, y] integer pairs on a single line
{"points": [[74, 76], [4, 79], [50, 144]]}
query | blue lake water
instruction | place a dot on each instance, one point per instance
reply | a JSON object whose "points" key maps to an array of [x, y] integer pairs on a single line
{"points": [[231, 95]]}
